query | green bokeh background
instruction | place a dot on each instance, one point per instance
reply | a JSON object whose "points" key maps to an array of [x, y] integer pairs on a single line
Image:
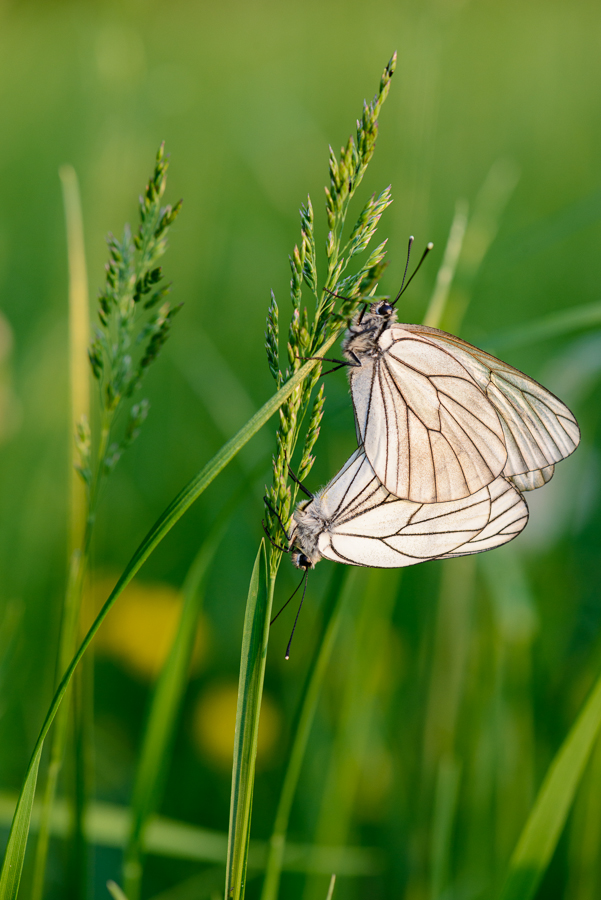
{"points": [[247, 97]]}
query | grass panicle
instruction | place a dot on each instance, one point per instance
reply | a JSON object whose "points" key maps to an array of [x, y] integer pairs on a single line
{"points": [[131, 331], [132, 274], [307, 332]]}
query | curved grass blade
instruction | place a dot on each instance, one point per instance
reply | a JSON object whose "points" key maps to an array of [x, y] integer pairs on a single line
{"points": [[307, 708], [15, 853], [250, 690], [545, 823], [17, 841]]}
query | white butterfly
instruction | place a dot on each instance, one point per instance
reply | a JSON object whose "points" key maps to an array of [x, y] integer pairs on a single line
{"points": [[440, 419], [356, 520]]}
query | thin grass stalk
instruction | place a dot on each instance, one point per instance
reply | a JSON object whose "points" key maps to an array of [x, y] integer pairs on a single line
{"points": [[165, 707], [445, 807], [79, 389], [115, 891], [15, 852], [302, 729], [481, 230], [446, 272], [367, 653], [250, 691], [515, 623], [450, 653]]}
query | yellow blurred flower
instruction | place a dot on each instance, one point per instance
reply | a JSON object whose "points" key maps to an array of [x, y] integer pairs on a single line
{"points": [[214, 723], [140, 628]]}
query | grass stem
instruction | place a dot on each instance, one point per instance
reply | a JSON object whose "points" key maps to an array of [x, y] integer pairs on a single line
{"points": [[250, 692], [302, 729], [79, 388]]}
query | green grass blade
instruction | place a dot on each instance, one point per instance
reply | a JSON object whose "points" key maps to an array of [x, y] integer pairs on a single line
{"points": [[115, 891], [366, 652], [162, 527], [250, 691], [302, 729], [79, 337], [545, 823], [164, 710], [553, 325], [330, 893], [12, 867]]}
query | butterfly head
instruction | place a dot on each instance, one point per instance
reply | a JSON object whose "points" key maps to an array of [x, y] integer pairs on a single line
{"points": [[309, 524], [382, 310], [301, 560]]}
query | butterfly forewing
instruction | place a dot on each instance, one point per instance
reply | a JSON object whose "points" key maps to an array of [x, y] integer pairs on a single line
{"points": [[428, 430], [539, 430]]}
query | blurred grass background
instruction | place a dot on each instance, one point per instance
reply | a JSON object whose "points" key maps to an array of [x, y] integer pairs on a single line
{"points": [[451, 686]]}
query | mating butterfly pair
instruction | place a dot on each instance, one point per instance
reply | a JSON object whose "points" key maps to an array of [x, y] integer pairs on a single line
{"points": [[448, 436]]}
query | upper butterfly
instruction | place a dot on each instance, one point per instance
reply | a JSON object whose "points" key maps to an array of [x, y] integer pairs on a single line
{"points": [[440, 419]]}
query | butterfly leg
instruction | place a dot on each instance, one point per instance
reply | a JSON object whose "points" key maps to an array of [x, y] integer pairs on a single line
{"points": [[277, 515], [271, 540], [340, 362], [300, 484]]}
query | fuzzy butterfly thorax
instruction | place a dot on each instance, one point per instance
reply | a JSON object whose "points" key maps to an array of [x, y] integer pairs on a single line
{"points": [[363, 335]]}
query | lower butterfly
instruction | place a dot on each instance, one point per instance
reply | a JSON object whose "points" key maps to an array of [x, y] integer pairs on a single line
{"points": [[357, 521]]}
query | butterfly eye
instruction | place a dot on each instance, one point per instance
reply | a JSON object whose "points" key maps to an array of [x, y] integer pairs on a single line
{"points": [[385, 309], [303, 562]]}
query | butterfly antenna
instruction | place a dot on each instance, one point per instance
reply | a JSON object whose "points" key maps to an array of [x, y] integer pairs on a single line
{"points": [[305, 579], [289, 599], [409, 246], [429, 247]]}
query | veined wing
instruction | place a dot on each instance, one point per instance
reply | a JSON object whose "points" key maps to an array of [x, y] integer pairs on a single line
{"points": [[508, 518], [366, 525], [539, 430], [427, 428]]}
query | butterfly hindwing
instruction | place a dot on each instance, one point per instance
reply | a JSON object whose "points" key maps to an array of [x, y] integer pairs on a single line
{"points": [[361, 523]]}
